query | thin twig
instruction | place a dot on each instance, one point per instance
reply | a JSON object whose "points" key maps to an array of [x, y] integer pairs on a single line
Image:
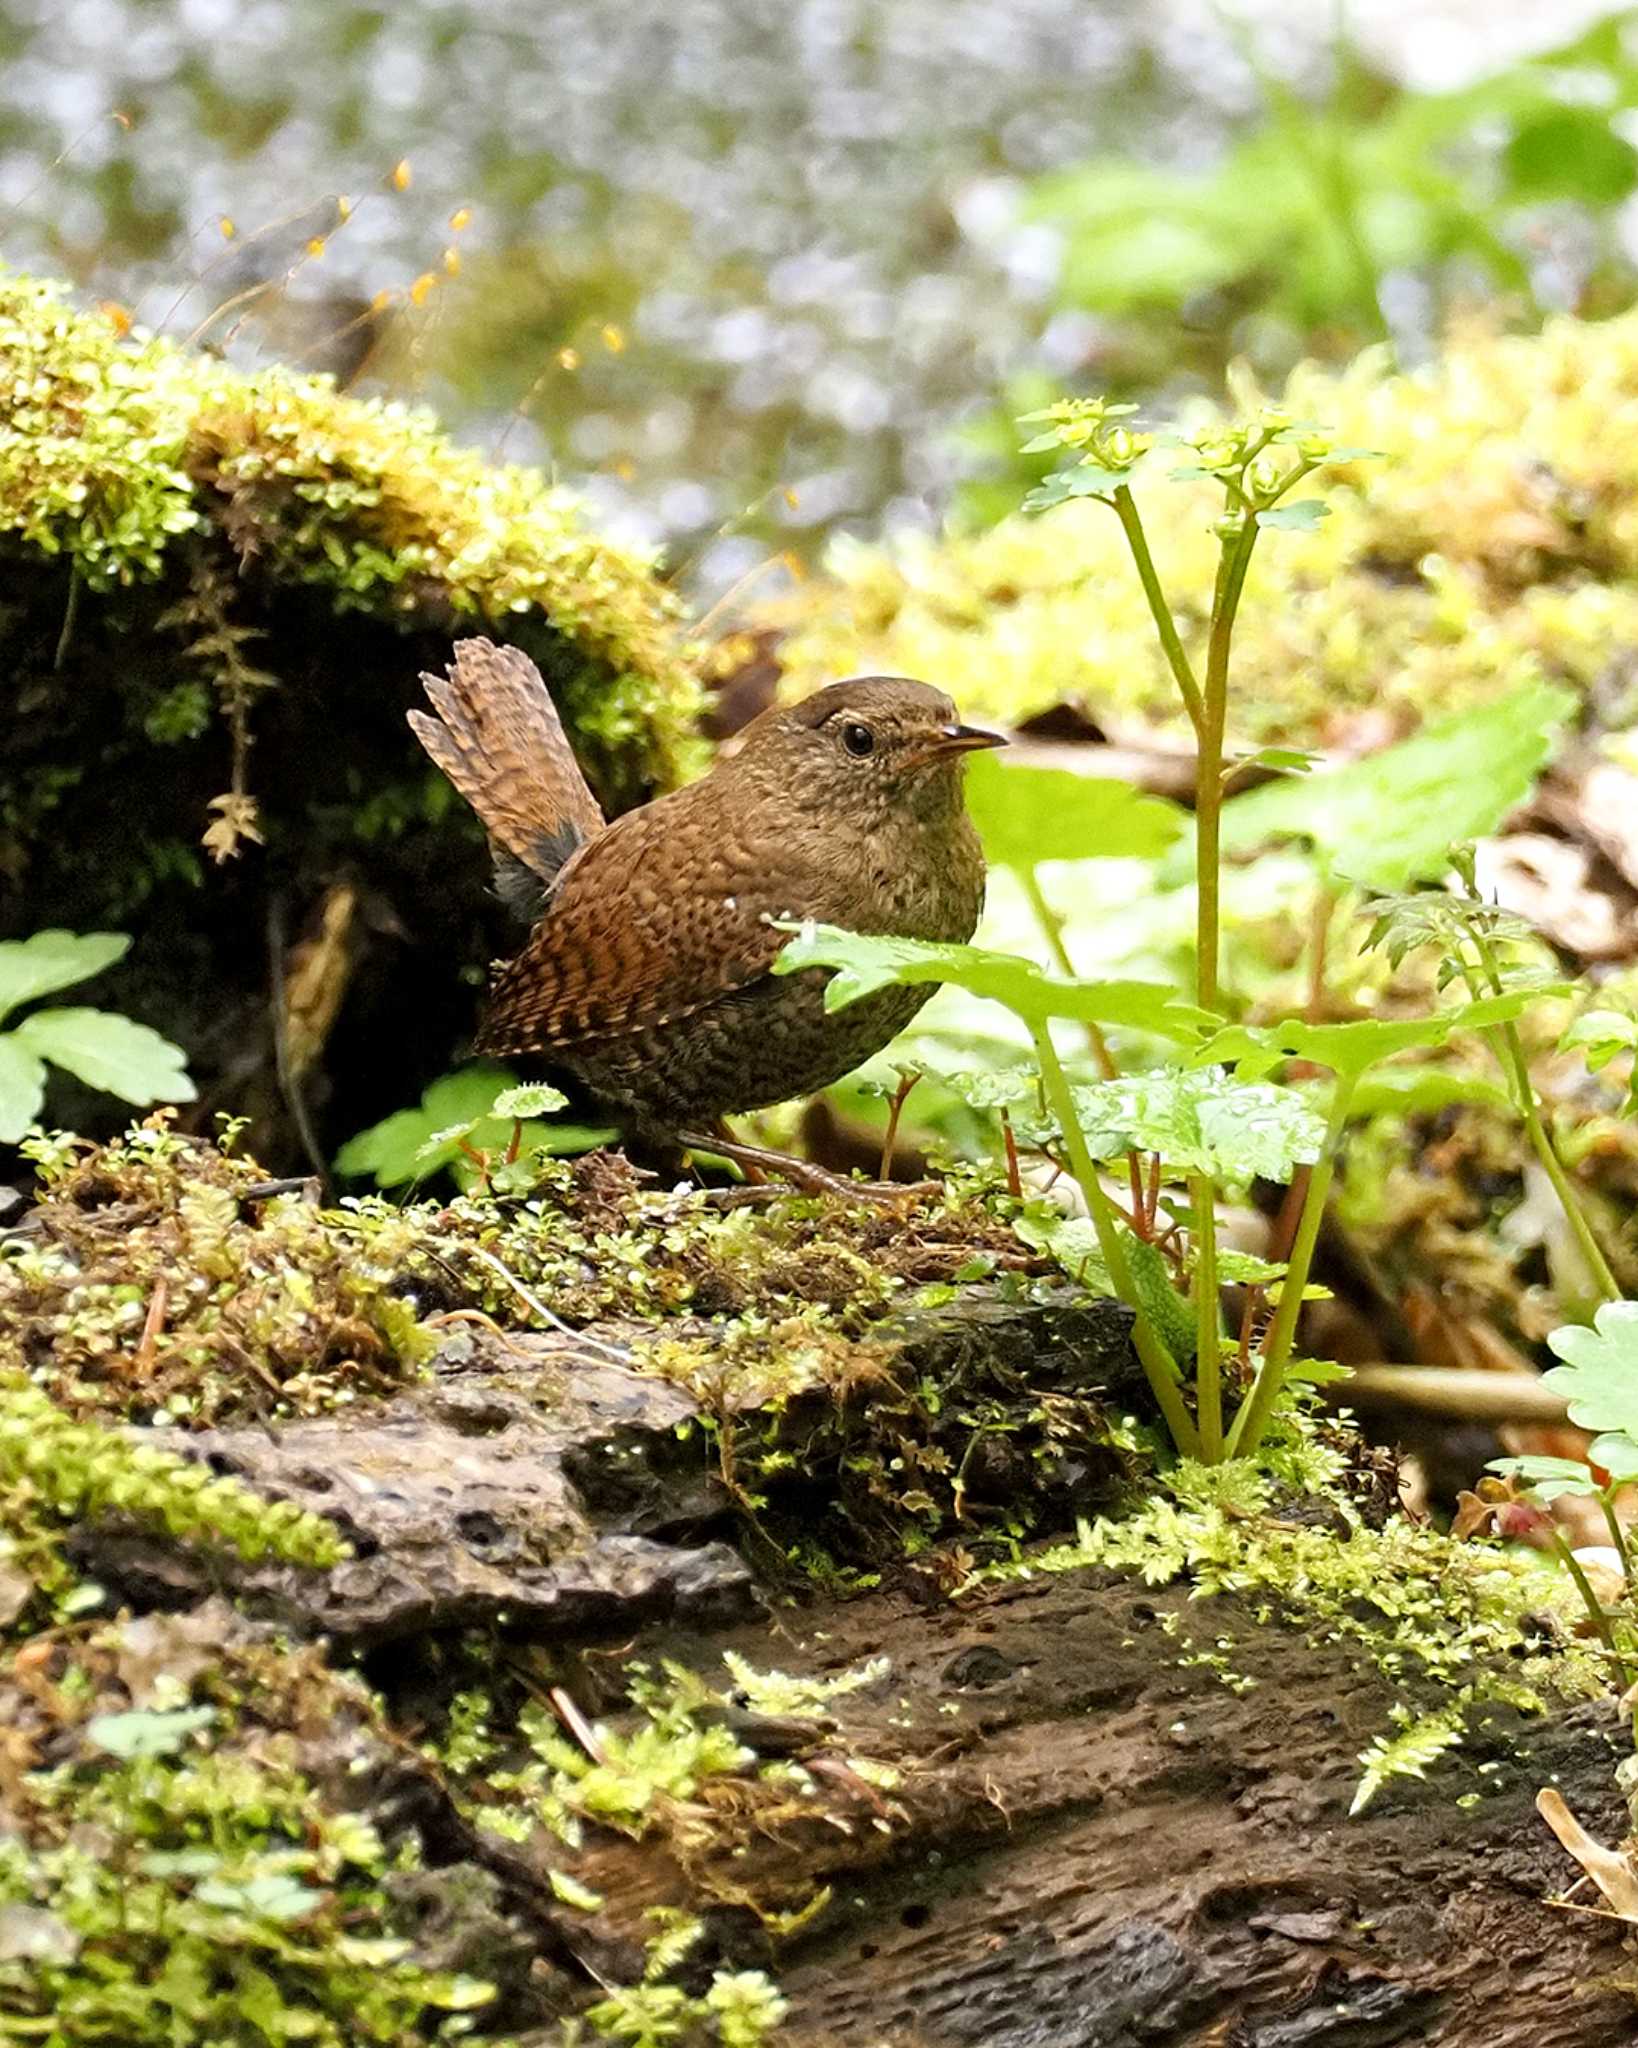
{"points": [[534, 1303]]}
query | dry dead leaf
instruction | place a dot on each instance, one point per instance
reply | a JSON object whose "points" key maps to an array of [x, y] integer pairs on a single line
{"points": [[1610, 1869]]}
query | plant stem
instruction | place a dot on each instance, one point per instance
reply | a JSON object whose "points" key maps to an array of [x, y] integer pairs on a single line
{"points": [[1597, 1613], [1208, 1315], [1159, 1367], [1252, 1421], [1618, 1536], [1208, 797], [1052, 925], [1165, 625], [1509, 1050]]}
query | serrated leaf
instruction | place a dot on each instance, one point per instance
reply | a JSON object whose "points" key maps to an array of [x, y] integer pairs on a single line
{"points": [[534, 1098], [1349, 1049], [1599, 1376], [1298, 515], [865, 965], [1026, 815], [50, 960], [22, 1087], [105, 1050], [1391, 819], [1202, 1120]]}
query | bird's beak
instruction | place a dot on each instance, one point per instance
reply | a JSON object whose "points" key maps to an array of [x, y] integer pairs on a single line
{"points": [[966, 739], [955, 739]]}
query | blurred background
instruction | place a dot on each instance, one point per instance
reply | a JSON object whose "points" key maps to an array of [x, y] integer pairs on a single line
{"points": [[754, 274]]}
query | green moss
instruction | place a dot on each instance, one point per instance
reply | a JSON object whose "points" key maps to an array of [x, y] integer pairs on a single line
{"points": [[1457, 1629], [157, 1286], [1497, 540], [196, 1865], [116, 447]]}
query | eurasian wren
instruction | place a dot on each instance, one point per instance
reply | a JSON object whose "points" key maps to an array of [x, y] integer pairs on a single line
{"points": [[647, 973]]}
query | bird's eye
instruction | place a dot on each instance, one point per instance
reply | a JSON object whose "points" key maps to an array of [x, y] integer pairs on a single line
{"points": [[859, 740]]}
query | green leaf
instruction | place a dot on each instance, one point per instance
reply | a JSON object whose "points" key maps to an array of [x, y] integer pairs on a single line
{"points": [[1348, 1049], [1026, 815], [1083, 480], [1201, 1120], [412, 1144], [866, 965], [52, 960], [1300, 515], [1424, 1091], [535, 1098], [1071, 1240], [274, 1896], [1570, 153], [133, 1735], [1284, 760], [1545, 1479], [1599, 1376], [105, 1050], [22, 1087], [1617, 1454], [1601, 1034], [1391, 820]]}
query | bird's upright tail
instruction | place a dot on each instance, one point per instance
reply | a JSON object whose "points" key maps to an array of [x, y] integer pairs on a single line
{"points": [[499, 739]]}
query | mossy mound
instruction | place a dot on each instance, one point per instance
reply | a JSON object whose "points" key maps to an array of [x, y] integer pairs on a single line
{"points": [[1496, 539], [216, 590]]}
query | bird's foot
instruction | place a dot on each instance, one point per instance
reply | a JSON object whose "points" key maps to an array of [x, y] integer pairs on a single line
{"points": [[803, 1174]]}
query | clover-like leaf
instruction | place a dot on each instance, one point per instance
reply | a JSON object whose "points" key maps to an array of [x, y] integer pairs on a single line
{"points": [[1026, 815], [274, 1895], [1545, 1479]]}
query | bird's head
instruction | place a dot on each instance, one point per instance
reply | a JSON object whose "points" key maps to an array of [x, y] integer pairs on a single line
{"points": [[867, 744]]}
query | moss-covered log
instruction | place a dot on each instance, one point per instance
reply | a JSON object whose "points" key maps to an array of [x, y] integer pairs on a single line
{"points": [[216, 591], [714, 1654]]}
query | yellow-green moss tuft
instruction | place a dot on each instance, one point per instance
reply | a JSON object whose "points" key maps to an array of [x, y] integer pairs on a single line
{"points": [[1496, 539], [115, 446]]}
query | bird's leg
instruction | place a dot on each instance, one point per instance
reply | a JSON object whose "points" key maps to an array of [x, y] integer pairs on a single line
{"points": [[723, 1134], [801, 1173]]}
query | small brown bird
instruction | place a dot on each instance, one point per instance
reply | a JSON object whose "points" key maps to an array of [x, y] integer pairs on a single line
{"points": [[647, 973]]}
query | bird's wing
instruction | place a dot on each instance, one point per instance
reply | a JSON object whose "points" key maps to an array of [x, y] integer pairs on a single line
{"points": [[652, 921], [499, 739]]}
